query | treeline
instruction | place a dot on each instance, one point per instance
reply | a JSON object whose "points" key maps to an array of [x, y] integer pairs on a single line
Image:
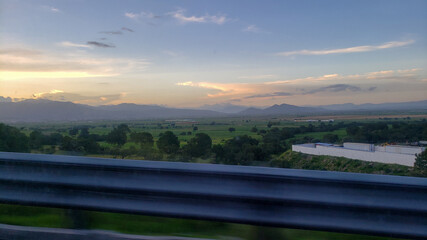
{"points": [[240, 150], [383, 132], [80, 140]]}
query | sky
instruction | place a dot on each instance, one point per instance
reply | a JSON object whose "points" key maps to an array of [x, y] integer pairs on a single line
{"points": [[200, 52]]}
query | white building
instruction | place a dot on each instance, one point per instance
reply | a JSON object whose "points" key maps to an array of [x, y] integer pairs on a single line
{"points": [[403, 155]]}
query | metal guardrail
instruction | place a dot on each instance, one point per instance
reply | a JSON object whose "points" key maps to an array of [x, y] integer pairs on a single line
{"points": [[318, 200]]}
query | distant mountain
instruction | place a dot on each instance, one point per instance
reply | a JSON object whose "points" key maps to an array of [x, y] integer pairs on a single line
{"points": [[224, 107], [51, 111], [282, 109], [418, 105]]}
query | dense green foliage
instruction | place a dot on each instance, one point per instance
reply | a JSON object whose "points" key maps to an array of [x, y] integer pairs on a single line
{"points": [[257, 146], [199, 146], [242, 150], [118, 135], [296, 160], [12, 140], [420, 165], [168, 143]]}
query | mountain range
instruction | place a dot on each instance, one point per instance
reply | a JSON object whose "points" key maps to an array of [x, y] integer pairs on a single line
{"points": [[55, 111]]}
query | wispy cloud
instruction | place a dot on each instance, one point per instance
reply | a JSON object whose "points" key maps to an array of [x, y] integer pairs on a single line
{"points": [[62, 96], [180, 16], [170, 53], [326, 84], [267, 76], [252, 28], [335, 88], [112, 32], [364, 48], [52, 9], [127, 29], [71, 44], [330, 88], [136, 16], [26, 63], [118, 32], [269, 95], [100, 44]]}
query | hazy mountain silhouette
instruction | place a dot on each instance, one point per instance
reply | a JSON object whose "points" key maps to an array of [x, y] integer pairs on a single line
{"points": [[282, 109], [48, 111], [417, 105], [224, 107], [51, 111]]}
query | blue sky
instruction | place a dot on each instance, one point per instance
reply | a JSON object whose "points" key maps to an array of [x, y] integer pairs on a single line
{"points": [[190, 53]]}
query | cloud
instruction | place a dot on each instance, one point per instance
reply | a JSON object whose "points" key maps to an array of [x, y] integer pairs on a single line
{"points": [[70, 44], [275, 94], [335, 88], [118, 32], [52, 9], [329, 84], [100, 44], [136, 16], [179, 15], [267, 76], [25, 63], [112, 32], [19, 52], [365, 48], [330, 88], [251, 28], [127, 29], [170, 53], [132, 15], [61, 96]]}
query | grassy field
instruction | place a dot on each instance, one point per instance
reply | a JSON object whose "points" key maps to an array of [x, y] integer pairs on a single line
{"points": [[160, 226], [217, 129]]}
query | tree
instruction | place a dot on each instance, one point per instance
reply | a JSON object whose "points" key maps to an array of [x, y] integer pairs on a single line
{"points": [[12, 140], [199, 146], [330, 138], [420, 165], [241, 150], [232, 129], [195, 128], [272, 142], [254, 129], [168, 143], [84, 132], [73, 131], [36, 139], [118, 135], [145, 139], [69, 144]]}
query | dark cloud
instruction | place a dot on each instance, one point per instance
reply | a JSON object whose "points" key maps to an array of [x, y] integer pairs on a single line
{"points": [[127, 29], [112, 32], [275, 94], [330, 88], [335, 88], [117, 32], [100, 44]]}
